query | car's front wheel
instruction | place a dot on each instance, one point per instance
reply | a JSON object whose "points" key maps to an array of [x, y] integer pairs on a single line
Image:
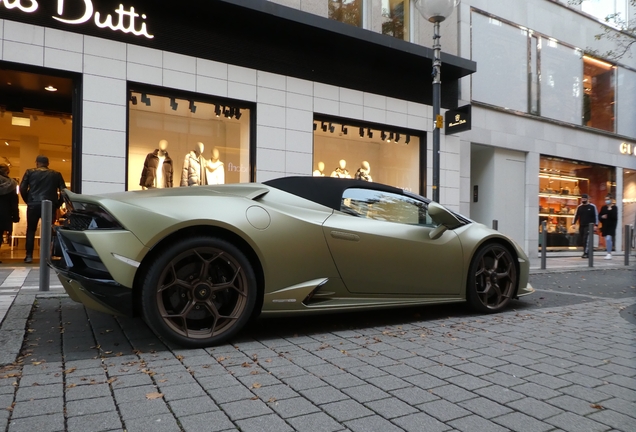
{"points": [[492, 278], [198, 292]]}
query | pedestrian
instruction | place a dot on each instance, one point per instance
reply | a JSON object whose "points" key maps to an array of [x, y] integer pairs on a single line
{"points": [[37, 185], [609, 218], [9, 213], [586, 214]]}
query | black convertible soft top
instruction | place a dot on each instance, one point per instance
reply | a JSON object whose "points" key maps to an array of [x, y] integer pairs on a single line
{"points": [[326, 191]]}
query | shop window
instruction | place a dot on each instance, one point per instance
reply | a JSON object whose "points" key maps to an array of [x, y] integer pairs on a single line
{"points": [[626, 101], [598, 96], [616, 10], [561, 184], [177, 141], [346, 11], [35, 119], [395, 18], [386, 156]]}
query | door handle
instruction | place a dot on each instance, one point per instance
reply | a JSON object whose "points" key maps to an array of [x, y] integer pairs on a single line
{"points": [[345, 236]]}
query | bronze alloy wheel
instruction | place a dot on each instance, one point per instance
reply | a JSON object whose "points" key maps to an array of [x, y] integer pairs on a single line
{"points": [[493, 278], [203, 294]]}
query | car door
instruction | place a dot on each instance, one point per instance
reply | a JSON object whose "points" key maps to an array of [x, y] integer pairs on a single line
{"points": [[381, 245]]}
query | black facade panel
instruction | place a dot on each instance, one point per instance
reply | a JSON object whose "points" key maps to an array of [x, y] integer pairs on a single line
{"points": [[262, 35]]}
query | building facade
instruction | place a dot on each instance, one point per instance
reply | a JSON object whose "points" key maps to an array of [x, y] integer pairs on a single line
{"points": [[302, 87]]}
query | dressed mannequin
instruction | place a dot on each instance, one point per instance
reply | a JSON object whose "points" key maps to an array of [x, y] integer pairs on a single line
{"points": [[341, 171], [157, 171], [364, 171], [320, 172], [215, 169], [194, 173]]}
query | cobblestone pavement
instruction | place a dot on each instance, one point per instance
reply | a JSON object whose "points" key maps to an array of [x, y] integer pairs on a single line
{"points": [[562, 359]]}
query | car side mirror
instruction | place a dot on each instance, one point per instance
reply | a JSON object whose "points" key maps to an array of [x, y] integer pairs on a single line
{"points": [[442, 216]]}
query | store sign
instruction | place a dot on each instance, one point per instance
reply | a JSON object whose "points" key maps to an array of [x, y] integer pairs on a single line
{"points": [[458, 120], [628, 149], [126, 21]]}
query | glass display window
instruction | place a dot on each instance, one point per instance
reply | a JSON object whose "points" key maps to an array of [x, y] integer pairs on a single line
{"points": [[598, 94], [562, 183], [368, 152], [181, 141], [396, 18], [346, 11]]}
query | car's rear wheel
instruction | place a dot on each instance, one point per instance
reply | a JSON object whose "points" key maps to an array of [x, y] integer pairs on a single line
{"points": [[492, 279], [198, 292]]}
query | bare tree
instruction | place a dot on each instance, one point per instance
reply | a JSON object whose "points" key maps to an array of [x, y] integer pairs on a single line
{"points": [[619, 30]]}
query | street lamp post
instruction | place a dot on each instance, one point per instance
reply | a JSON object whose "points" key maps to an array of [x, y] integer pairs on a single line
{"points": [[436, 11]]}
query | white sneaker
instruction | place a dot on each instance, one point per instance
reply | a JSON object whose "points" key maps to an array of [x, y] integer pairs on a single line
{"points": [[608, 256]]}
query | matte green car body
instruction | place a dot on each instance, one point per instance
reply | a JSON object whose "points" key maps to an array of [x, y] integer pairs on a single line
{"points": [[312, 258]]}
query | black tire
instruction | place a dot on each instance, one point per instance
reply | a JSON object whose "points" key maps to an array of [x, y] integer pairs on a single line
{"points": [[198, 292], [492, 278]]}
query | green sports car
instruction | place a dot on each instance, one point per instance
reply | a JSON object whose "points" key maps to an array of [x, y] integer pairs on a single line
{"points": [[197, 263]]}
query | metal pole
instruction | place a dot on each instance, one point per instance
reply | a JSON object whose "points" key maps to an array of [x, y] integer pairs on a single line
{"points": [[544, 244], [45, 243], [437, 101], [590, 245], [628, 243], [495, 224]]}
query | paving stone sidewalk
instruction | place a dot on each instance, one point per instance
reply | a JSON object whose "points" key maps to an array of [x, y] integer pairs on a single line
{"points": [[532, 368]]}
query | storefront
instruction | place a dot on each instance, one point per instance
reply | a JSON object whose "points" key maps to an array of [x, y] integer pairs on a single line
{"points": [[143, 88], [562, 182]]}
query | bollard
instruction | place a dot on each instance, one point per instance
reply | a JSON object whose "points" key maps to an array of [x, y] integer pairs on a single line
{"points": [[590, 245], [495, 224], [45, 243], [544, 244], [628, 243]]}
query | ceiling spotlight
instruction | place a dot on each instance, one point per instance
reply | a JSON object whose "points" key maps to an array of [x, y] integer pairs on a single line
{"points": [[133, 99], [344, 129], [383, 135], [390, 137], [370, 133], [397, 137], [323, 126], [35, 118], [315, 125], [173, 104], [50, 88], [145, 99], [332, 128], [217, 110], [7, 143], [193, 108], [361, 132], [63, 120], [408, 139], [226, 112], [237, 113]]}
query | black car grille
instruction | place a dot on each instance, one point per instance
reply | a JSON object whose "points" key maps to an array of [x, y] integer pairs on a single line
{"points": [[77, 221]]}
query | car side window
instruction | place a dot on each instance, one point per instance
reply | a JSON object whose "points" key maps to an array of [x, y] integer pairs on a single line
{"points": [[385, 206]]}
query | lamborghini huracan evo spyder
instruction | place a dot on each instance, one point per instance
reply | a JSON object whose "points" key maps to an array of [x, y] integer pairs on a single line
{"points": [[197, 263]]}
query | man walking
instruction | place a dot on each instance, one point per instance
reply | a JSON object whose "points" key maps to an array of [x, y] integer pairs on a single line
{"points": [[609, 218], [37, 185], [585, 215]]}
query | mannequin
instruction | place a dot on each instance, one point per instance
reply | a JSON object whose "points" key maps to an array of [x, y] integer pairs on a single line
{"points": [[364, 171], [157, 171], [320, 172], [341, 171], [215, 169], [194, 172]]}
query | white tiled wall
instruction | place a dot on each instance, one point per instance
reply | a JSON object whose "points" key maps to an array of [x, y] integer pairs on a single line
{"points": [[284, 114]]}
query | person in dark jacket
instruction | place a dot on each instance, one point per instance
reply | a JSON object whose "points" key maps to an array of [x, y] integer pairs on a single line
{"points": [[9, 213], [609, 218], [39, 184], [585, 215]]}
